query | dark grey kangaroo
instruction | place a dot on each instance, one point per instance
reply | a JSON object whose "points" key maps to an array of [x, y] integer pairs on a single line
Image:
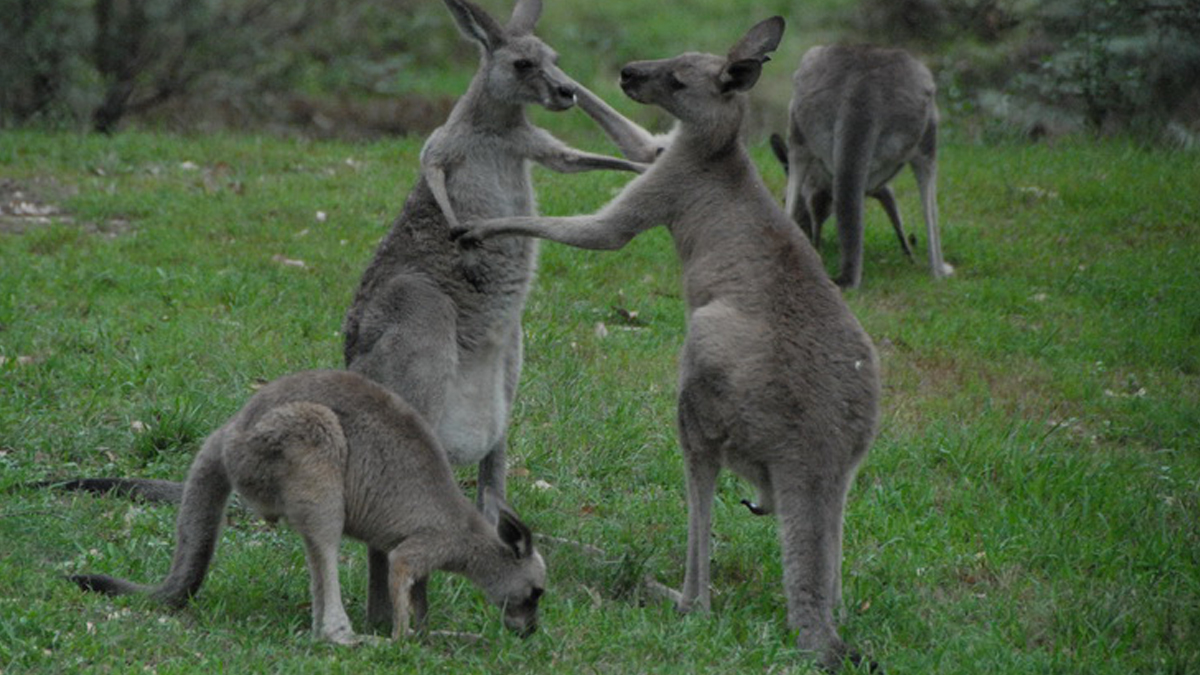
{"points": [[334, 453], [858, 115], [778, 381]]}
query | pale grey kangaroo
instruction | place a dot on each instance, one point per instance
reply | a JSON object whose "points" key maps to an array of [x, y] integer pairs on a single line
{"points": [[442, 327], [858, 115], [778, 381], [334, 453]]}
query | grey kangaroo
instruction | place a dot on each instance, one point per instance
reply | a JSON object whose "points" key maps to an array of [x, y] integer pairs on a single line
{"points": [[778, 381], [440, 326], [334, 453], [858, 115]]}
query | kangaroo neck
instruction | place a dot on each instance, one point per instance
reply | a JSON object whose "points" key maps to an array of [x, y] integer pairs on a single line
{"points": [[481, 553], [480, 110]]}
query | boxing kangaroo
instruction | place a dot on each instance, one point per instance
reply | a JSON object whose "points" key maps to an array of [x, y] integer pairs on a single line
{"points": [[440, 326], [334, 453], [778, 381], [858, 115]]}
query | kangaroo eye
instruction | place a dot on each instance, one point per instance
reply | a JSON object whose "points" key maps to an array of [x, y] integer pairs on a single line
{"points": [[522, 64], [675, 83]]}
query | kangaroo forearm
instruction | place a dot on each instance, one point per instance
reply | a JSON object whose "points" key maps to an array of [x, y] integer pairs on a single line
{"points": [[578, 231], [586, 161], [635, 142]]}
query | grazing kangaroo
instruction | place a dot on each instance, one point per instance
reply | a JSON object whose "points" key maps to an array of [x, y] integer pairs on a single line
{"points": [[778, 381], [334, 453], [858, 115]]}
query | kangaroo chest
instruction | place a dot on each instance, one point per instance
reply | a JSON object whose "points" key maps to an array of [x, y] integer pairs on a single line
{"points": [[491, 283]]}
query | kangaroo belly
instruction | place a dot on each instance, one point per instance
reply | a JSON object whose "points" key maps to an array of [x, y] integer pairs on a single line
{"points": [[478, 402]]}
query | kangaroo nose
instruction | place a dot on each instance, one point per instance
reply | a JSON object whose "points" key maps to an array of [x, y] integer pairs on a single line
{"points": [[630, 75]]}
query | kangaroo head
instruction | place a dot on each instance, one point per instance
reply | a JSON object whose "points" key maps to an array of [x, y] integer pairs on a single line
{"points": [[519, 580], [517, 68], [703, 89]]}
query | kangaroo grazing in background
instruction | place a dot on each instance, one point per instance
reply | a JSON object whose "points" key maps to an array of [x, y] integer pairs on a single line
{"points": [[858, 115], [778, 381], [334, 453]]}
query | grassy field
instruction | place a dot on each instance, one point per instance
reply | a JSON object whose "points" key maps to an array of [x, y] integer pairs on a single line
{"points": [[1030, 505]]}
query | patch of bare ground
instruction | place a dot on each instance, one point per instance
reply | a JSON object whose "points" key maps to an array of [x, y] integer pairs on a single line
{"points": [[29, 204], [920, 386]]}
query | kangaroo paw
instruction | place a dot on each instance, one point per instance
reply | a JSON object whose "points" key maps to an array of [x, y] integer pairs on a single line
{"points": [[755, 508]]}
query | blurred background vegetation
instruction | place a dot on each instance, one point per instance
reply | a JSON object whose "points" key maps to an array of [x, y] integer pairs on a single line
{"points": [[366, 68]]}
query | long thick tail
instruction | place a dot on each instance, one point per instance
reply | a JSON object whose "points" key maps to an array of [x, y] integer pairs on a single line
{"points": [[856, 135], [144, 489], [197, 528]]}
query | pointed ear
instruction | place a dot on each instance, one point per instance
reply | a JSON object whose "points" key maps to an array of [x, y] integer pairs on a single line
{"points": [[740, 75], [762, 39], [745, 60], [524, 17], [515, 534], [476, 24]]}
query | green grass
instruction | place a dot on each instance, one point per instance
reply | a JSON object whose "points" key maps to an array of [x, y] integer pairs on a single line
{"points": [[1029, 507]]}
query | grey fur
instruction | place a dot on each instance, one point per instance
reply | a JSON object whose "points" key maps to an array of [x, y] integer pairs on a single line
{"points": [[778, 381], [334, 453], [441, 327], [858, 115]]}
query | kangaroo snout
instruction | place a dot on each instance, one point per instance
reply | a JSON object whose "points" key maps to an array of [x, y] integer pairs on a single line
{"points": [[633, 76], [524, 630], [560, 94]]}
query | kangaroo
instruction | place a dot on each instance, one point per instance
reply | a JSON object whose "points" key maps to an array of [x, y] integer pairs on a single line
{"points": [[440, 326], [857, 116], [778, 381], [334, 453]]}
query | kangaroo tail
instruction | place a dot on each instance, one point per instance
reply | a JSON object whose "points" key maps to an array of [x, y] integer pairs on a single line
{"points": [[856, 136], [197, 529], [144, 489]]}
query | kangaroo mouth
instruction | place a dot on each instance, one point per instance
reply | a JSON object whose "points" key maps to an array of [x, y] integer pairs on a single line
{"points": [[559, 97], [558, 104]]}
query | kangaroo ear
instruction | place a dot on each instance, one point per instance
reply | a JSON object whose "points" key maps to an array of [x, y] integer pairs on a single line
{"points": [[745, 60], [515, 534], [762, 39], [476, 24], [524, 17]]}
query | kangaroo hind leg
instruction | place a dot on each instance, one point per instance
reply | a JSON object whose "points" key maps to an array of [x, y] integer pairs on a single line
{"points": [[810, 504], [701, 464], [292, 465]]}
